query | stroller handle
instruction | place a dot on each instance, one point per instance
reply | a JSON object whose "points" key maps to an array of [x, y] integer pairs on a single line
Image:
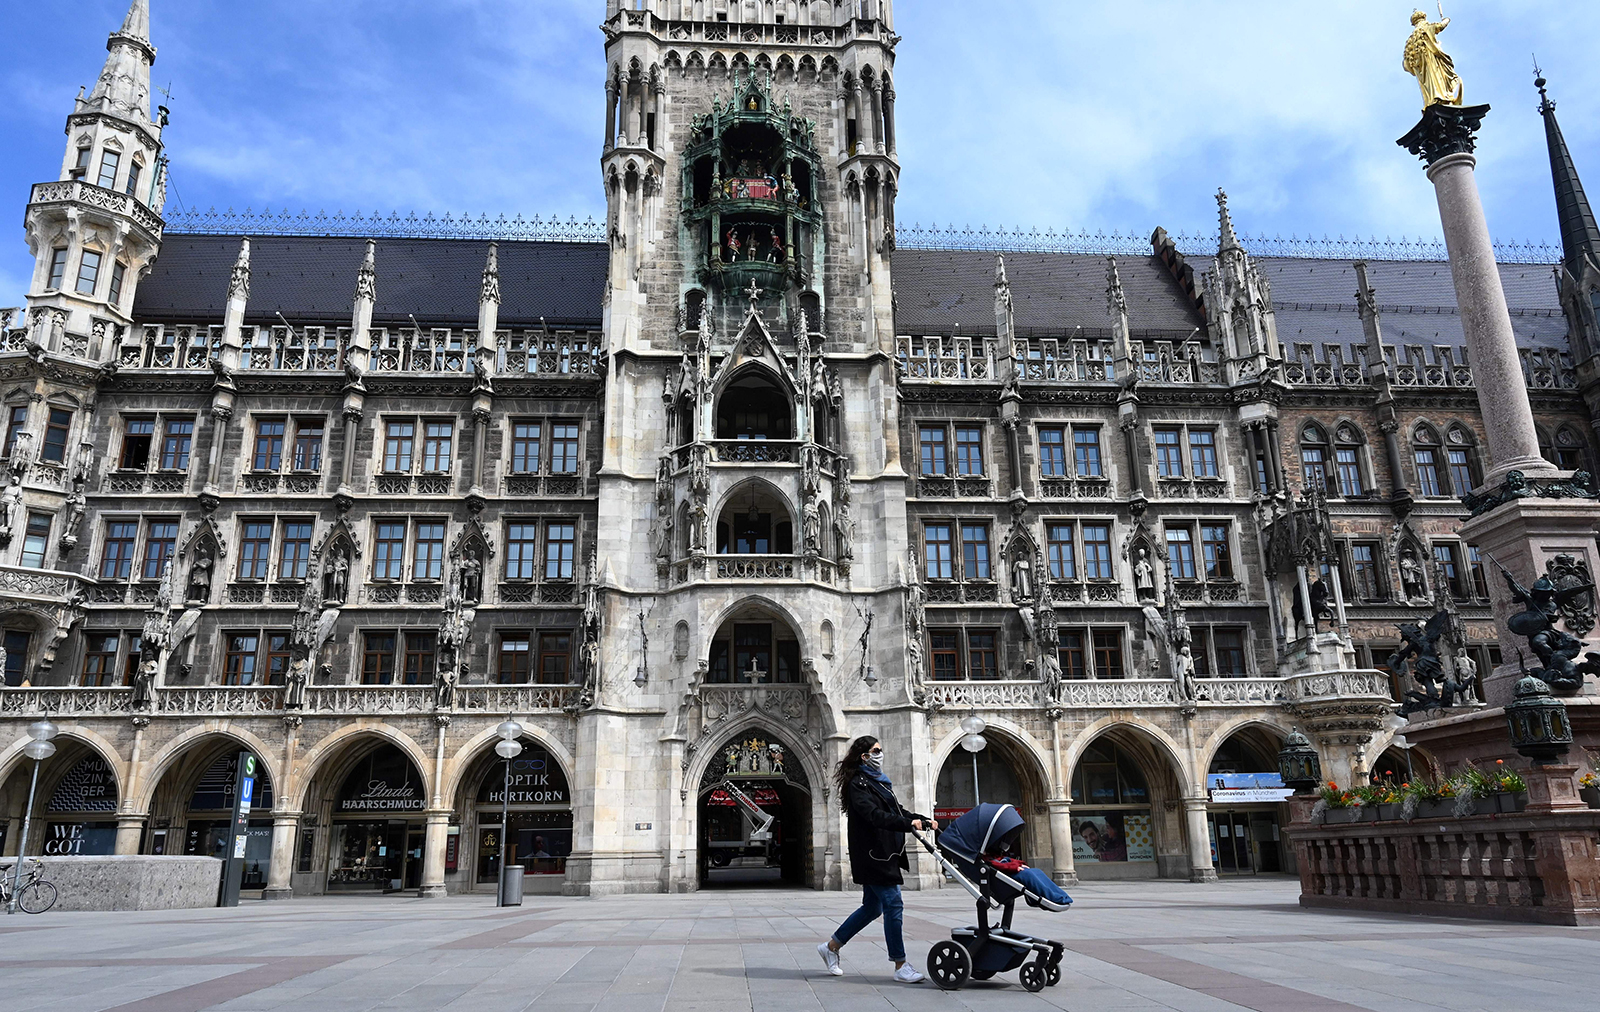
{"points": [[955, 872]]}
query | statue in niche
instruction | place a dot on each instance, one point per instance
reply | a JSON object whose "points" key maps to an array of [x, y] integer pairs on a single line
{"points": [[482, 378], [775, 757], [1411, 579], [1429, 64], [294, 696], [1144, 576], [200, 577], [336, 581], [10, 507], [697, 528], [1021, 577], [470, 576]]}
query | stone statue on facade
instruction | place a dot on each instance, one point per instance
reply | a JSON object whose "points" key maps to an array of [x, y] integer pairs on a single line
{"points": [[469, 574], [1463, 686], [1021, 576], [844, 532], [1144, 576], [199, 589], [1411, 579], [294, 695], [812, 524], [444, 686], [1429, 64], [336, 581], [1556, 648], [144, 681], [10, 509]]}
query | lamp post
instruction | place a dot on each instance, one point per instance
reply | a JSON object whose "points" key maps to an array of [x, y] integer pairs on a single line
{"points": [[508, 748], [39, 748], [974, 742], [1298, 764]]}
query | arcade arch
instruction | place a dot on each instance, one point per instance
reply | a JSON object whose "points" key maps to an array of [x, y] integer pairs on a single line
{"points": [[1245, 812], [539, 817], [75, 807], [363, 828], [1127, 794], [771, 772], [1006, 772], [191, 803]]}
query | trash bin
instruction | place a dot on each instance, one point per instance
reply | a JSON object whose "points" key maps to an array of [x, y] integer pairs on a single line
{"points": [[511, 886]]}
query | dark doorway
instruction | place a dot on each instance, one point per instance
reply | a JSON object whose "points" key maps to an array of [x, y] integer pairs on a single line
{"points": [[767, 772]]}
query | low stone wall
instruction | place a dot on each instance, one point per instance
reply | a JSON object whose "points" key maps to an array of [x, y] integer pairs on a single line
{"points": [[131, 882], [1525, 866]]}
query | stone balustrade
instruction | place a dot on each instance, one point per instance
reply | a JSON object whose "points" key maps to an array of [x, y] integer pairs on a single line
{"points": [[1336, 685], [78, 192], [243, 700], [37, 584]]}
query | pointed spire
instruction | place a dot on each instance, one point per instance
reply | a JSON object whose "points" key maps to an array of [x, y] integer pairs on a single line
{"points": [[367, 276], [491, 276], [1002, 286], [1116, 300], [137, 24], [239, 284], [124, 84], [1226, 239], [1580, 237]]}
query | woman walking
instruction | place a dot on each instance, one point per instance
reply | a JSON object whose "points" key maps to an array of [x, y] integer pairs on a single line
{"points": [[877, 843]]}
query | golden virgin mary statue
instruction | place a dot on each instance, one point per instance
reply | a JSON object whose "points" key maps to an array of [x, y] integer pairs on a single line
{"points": [[1434, 70]]}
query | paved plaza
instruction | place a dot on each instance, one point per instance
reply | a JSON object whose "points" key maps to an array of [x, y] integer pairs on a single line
{"points": [[1155, 945]]}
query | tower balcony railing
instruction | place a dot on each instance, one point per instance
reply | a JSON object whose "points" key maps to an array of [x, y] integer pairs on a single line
{"points": [[76, 191], [756, 451]]}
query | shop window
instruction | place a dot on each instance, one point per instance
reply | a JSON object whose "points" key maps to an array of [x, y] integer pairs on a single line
{"points": [[1110, 808], [376, 839], [539, 834]]}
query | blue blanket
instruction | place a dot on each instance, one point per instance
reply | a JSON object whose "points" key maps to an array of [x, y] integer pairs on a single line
{"points": [[1039, 883]]}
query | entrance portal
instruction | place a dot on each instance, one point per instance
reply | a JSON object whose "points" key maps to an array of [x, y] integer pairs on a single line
{"points": [[377, 827], [731, 852]]}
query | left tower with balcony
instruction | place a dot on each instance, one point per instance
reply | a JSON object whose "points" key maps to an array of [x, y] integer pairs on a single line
{"points": [[93, 232]]}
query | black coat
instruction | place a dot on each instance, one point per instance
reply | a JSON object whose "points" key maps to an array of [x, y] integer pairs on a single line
{"points": [[877, 832]]}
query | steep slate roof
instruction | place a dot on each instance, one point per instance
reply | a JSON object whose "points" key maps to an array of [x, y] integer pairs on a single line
{"points": [[314, 279], [937, 291]]}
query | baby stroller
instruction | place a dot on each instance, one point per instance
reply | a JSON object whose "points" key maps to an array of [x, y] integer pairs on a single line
{"points": [[972, 849]]}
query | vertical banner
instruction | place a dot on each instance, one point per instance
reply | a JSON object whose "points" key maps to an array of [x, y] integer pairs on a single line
{"points": [[239, 830]]}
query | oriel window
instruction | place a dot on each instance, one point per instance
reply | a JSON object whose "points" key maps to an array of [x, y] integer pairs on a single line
{"points": [[88, 272], [109, 161], [58, 269], [16, 421], [56, 431], [36, 541]]}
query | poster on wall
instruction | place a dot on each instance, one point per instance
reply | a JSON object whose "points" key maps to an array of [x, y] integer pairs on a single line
{"points": [[536, 779], [89, 786], [1112, 836]]}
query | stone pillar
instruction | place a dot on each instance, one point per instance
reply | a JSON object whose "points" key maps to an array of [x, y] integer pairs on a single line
{"points": [[611, 114], [130, 833], [1274, 457], [433, 855], [1445, 138], [1554, 789], [1201, 867], [285, 830], [888, 120], [1065, 871]]}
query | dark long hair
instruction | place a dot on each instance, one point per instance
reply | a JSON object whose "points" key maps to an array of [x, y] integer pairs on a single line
{"points": [[846, 770]]}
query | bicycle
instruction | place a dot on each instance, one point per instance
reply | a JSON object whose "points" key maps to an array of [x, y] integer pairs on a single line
{"points": [[36, 895]]}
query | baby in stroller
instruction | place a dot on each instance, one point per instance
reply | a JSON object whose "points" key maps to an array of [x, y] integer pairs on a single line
{"points": [[980, 846]]}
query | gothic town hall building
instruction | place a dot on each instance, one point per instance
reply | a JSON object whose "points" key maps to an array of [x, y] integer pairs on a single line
{"points": [[699, 495]]}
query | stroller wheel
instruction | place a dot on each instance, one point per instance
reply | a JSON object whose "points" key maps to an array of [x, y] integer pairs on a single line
{"points": [[1052, 976], [949, 964], [1031, 977]]}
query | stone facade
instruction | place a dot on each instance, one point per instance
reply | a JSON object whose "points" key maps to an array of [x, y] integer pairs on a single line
{"points": [[706, 500]]}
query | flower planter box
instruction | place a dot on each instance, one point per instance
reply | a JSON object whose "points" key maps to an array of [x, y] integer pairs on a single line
{"points": [[1389, 812], [1335, 816], [1444, 808], [1512, 802], [1591, 795]]}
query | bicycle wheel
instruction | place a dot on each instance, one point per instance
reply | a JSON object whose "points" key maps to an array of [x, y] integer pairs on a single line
{"points": [[37, 897]]}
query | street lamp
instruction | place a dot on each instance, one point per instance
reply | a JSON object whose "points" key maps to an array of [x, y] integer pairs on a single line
{"points": [[507, 748], [39, 748], [974, 742], [1298, 764]]}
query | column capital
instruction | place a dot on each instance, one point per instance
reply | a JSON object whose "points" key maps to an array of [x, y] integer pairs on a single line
{"points": [[1444, 130]]}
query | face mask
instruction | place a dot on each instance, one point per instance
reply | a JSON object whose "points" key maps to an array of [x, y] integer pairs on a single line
{"points": [[873, 761]]}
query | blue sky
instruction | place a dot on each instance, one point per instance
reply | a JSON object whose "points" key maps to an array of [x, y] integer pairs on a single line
{"points": [[1017, 112]]}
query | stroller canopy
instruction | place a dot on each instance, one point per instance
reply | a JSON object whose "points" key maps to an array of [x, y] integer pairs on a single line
{"points": [[982, 830]]}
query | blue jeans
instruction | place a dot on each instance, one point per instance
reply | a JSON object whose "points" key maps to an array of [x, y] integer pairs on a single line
{"points": [[878, 901]]}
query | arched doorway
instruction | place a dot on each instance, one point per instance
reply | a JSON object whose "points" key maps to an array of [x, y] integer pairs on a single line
{"points": [[79, 817], [207, 820], [1245, 810], [754, 406], [539, 819], [1006, 774], [1126, 809], [754, 645], [768, 771], [376, 829]]}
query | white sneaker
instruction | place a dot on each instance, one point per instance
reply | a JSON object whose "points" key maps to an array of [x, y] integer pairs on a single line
{"points": [[908, 974], [830, 959]]}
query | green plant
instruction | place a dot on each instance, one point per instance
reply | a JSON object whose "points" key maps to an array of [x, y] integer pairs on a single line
{"points": [[1476, 782], [1334, 797], [1589, 780], [1508, 780], [1431, 790]]}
